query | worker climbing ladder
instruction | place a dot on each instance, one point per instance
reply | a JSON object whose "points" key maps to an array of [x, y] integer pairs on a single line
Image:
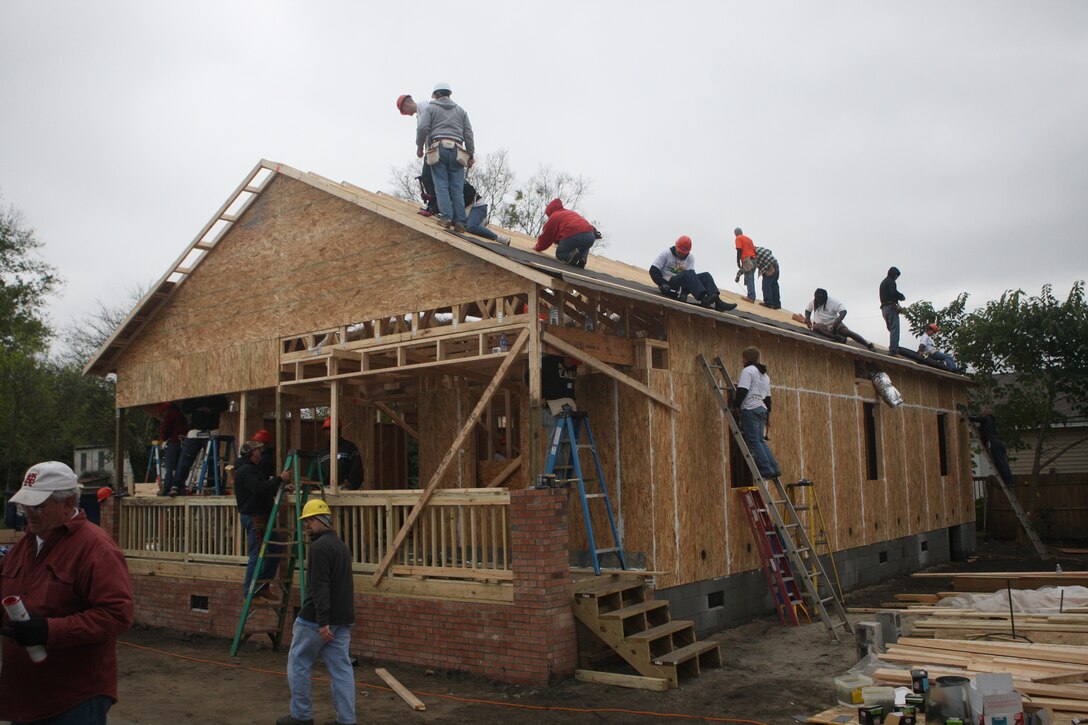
{"points": [[797, 548], [276, 546], [806, 503], [563, 461], [1014, 502]]}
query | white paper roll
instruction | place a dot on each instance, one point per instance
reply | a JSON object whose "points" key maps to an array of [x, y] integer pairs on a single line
{"points": [[17, 612]]}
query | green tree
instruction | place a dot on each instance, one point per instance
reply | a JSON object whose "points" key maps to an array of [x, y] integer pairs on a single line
{"points": [[1029, 355]]}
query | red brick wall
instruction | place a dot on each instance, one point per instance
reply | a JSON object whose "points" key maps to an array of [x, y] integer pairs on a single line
{"points": [[528, 641]]}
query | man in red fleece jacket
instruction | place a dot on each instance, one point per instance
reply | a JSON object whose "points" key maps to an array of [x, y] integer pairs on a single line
{"points": [[569, 230]]}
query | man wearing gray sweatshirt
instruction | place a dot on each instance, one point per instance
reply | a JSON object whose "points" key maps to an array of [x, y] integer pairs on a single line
{"points": [[445, 133]]}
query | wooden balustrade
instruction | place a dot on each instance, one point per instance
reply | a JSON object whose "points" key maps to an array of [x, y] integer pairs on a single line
{"points": [[463, 534]]}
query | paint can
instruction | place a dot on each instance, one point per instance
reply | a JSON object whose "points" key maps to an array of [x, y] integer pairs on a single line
{"points": [[918, 702], [919, 681], [871, 715]]}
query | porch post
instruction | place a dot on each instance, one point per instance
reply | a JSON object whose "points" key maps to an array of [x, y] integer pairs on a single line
{"points": [[534, 425]]}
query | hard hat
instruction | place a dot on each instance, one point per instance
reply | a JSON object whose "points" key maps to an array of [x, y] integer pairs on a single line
{"points": [[262, 436], [442, 86], [400, 102], [316, 507], [104, 493], [932, 327], [683, 244], [328, 422]]}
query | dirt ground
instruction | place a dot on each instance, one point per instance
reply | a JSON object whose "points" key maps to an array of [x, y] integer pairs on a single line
{"points": [[772, 674]]}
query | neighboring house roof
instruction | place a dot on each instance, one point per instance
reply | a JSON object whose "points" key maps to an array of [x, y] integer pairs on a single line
{"points": [[604, 275], [1062, 406]]}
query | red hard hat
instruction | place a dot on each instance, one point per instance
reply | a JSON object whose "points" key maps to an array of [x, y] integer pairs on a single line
{"points": [[328, 422], [262, 436], [400, 102], [932, 327], [104, 493], [683, 244]]}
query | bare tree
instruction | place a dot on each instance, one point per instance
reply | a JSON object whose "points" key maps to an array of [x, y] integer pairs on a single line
{"points": [[82, 339], [525, 211], [404, 181], [493, 179]]}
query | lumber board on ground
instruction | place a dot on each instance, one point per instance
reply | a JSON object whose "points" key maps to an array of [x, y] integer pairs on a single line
{"points": [[638, 682], [1057, 653], [404, 692]]}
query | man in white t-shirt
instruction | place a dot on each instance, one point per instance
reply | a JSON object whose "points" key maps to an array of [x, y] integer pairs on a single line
{"points": [[825, 314], [674, 274], [753, 398], [928, 349]]}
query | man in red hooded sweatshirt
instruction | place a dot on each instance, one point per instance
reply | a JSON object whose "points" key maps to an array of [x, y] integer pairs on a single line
{"points": [[569, 230]]}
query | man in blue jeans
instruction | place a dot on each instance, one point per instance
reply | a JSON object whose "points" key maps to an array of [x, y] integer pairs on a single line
{"points": [[255, 493], [323, 626], [753, 398], [445, 132], [477, 217]]}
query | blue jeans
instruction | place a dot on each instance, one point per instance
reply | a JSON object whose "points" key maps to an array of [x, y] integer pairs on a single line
{"points": [[771, 296], [944, 359], [306, 645], [449, 186], [1001, 459], [475, 223], [750, 283], [753, 423], [253, 546], [575, 250], [891, 321], [88, 712]]}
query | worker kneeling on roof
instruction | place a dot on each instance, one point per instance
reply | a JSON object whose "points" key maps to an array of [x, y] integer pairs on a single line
{"points": [[570, 231], [674, 274]]}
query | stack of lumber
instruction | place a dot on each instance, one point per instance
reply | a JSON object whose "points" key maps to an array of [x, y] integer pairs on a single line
{"points": [[1051, 676], [1070, 629], [992, 581]]}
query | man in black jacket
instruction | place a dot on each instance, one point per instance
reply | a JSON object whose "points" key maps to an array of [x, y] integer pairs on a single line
{"points": [[349, 463], [890, 297], [256, 494], [987, 430], [323, 626], [204, 423]]}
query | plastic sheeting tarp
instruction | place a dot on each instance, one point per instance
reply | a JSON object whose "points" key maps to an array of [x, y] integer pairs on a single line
{"points": [[1045, 600]]}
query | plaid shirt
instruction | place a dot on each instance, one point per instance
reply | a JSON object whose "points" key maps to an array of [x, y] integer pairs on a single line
{"points": [[765, 258]]}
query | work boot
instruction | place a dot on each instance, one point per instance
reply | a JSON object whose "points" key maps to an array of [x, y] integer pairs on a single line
{"points": [[722, 306], [444, 223], [288, 720], [707, 300], [502, 239], [459, 228]]}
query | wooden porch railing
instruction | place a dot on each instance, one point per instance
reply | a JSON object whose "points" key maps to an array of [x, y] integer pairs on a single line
{"points": [[463, 534]]}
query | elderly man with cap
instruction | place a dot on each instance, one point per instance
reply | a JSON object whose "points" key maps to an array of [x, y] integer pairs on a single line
{"points": [[255, 493], [825, 314], [323, 626], [72, 579], [890, 297], [674, 274], [445, 133]]}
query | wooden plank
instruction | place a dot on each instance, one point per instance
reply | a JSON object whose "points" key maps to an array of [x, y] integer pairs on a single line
{"points": [[637, 682], [607, 370], [607, 348], [468, 427], [400, 422], [413, 701], [505, 473]]}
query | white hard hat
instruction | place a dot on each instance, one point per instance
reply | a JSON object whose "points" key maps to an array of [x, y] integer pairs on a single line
{"points": [[442, 86]]}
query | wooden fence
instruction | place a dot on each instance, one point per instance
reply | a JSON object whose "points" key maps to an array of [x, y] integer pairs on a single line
{"points": [[1061, 510], [463, 534]]}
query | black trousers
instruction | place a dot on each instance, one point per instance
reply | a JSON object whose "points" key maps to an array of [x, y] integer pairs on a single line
{"points": [[698, 285]]}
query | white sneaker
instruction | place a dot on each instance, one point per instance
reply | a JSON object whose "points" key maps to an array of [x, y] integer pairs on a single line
{"points": [[502, 239]]}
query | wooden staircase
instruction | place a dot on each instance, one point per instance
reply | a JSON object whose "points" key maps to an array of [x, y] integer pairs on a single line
{"points": [[640, 630]]}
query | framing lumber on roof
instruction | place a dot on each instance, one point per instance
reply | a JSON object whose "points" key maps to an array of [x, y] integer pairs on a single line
{"points": [[510, 357]]}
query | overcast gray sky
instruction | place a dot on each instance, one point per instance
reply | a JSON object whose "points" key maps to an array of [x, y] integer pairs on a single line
{"points": [[948, 138]]}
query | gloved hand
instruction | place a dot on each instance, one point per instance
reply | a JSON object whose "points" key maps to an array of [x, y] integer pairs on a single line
{"points": [[31, 632], [666, 290]]}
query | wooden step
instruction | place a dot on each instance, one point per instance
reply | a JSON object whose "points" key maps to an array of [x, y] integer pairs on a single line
{"points": [[663, 630], [686, 653], [646, 607], [603, 589]]}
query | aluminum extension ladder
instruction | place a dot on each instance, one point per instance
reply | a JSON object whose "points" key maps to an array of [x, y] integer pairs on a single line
{"points": [[1014, 502], [797, 547], [565, 447], [291, 551]]}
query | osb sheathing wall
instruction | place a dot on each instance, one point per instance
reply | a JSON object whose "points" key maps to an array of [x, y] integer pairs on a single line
{"points": [[670, 484], [298, 260]]}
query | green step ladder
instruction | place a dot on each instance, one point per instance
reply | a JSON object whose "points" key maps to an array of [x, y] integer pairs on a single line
{"points": [[565, 446], [290, 550]]}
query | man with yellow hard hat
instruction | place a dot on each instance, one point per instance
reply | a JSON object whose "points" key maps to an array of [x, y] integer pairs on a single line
{"points": [[323, 626]]}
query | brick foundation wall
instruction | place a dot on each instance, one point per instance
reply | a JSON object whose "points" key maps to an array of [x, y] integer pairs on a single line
{"points": [[528, 641]]}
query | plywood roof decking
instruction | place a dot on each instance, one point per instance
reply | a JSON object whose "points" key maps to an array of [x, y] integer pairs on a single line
{"points": [[604, 275]]}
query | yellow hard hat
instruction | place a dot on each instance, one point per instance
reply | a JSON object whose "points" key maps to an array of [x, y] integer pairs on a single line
{"points": [[316, 507]]}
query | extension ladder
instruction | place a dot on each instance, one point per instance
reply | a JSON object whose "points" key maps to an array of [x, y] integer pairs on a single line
{"points": [[771, 547], [1014, 502], [565, 446], [287, 550], [806, 503], [154, 460], [796, 545]]}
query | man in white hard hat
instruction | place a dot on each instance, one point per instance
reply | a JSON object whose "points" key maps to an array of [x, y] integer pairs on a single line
{"points": [[323, 626], [445, 133], [73, 581]]}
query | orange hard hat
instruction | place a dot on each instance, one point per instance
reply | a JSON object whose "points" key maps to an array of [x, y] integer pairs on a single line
{"points": [[328, 422], [683, 244], [104, 493], [262, 436]]}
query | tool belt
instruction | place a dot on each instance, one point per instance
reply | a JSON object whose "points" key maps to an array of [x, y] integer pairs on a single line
{"points": [[435, 145]]}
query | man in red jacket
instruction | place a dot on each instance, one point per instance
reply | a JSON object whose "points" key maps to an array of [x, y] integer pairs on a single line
{"points": [[569, 230], [73, 581]]}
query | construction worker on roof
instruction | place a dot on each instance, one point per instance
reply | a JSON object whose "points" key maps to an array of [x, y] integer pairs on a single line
{"points": [[746, 261], [569, 231], [348, 461], [674, 274], [825, 314], [445, 132], [928, 350], [408, 106]]}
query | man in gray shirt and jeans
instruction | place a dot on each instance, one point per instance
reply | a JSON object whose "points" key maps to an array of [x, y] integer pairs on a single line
{"points": [[445, 133]]}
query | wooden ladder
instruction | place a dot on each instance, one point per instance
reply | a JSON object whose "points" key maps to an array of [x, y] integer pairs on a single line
{"points": [[1014, 502], [621, 613], [797, 547]]}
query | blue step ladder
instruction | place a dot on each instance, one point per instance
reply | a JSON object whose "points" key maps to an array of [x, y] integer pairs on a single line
{"points": [[218, 453], [563, 460]]}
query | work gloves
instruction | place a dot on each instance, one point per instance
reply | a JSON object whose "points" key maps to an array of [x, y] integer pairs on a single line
{"points": [[666, 290], [31, 632]]}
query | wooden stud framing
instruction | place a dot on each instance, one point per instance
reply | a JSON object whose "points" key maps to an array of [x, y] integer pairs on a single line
{"points": [[535, 438]]}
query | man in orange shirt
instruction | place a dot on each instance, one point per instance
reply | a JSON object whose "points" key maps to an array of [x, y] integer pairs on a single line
{"points": [[746, 262]]}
